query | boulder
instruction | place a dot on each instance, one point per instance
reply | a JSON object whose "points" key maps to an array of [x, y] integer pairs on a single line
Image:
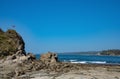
{"points": [[49, 58]]}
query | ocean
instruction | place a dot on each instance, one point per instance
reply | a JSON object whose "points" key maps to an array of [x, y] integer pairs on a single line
{"points": [[87, 59]]}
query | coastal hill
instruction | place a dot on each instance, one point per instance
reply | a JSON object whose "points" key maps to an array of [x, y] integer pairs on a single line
{"points": [[83, 53], [113, 52], [110, 52]]}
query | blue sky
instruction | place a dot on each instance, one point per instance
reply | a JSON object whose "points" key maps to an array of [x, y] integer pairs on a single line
{"points": [[64, 25]]}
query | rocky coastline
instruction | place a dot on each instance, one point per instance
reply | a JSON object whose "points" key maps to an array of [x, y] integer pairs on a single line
{"points": [[16, 63]]}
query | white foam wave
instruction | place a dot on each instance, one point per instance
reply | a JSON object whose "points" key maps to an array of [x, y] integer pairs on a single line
{"points": [[73, 60], [82, 62], [99, 62], [92, 62]]}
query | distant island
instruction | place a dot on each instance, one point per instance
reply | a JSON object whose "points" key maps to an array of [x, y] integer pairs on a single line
{"points": [[114, 52], [83, 53]]}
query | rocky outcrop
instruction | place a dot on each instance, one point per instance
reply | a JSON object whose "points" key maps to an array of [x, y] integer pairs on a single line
{"points": [[11, 43], [49, 58], [12, 53]]}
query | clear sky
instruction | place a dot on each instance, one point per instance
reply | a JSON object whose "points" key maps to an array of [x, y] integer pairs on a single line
{"points": [[64, 25]]}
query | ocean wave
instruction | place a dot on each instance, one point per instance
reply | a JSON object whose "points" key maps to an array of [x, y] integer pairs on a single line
{"points": [[99, 62], [87, 62], [82, 62]]}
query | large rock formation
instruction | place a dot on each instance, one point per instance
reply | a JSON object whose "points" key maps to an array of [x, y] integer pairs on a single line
{"points": [[11, 43], [49, 58], [12, 54]]}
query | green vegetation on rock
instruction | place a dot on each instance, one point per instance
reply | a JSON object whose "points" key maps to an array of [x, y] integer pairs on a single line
{"points": [[10, 42], [110, 52]]}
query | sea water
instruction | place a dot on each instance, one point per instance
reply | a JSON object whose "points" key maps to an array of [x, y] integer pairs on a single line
{"points": [[87, 59]]}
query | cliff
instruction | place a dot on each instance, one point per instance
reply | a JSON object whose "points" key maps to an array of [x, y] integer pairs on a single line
{"points": [[10, 43]]}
